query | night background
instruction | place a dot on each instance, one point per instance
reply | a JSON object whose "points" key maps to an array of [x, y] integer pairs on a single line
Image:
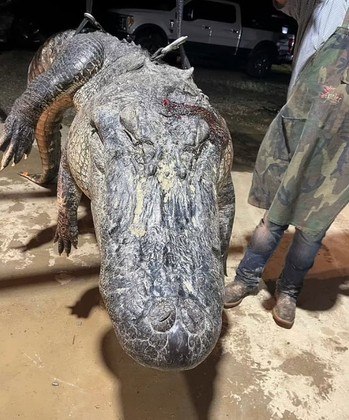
{"points": [[59, 15]]}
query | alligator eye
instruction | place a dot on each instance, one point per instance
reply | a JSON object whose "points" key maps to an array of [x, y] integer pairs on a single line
{"points": [[94, 130], [130, 136], [195, 150]]}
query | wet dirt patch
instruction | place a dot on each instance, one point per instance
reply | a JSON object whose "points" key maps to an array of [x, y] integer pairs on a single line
{"points": [[306, 364]]}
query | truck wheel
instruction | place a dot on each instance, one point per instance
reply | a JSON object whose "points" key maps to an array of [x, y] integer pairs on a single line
{"points": [[150, 40], [259, 63]]}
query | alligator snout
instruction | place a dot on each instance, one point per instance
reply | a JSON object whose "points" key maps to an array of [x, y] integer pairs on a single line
{"points": [[188, 339], [172, 334]]}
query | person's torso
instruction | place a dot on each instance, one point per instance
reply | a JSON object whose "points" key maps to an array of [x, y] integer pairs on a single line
{"points": [[317, 20]]}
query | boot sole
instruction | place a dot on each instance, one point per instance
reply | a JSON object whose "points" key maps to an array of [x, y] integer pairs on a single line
{"points": [[282, 322], [233, 304]]}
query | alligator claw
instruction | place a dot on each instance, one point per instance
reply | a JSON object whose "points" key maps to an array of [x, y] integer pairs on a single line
{"points": [[39, 179], [63, 246], [66, 235], [7, 157], [16, 140]]}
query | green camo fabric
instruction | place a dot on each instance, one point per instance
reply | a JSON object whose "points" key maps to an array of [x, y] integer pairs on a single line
{"points": [[302, 169]]}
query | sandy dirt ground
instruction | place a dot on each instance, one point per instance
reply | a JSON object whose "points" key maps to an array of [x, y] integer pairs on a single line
{"points": [[59, 358]]}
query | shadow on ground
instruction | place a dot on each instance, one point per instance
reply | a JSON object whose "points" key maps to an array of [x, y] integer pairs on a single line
{"points": [[50, 275]]}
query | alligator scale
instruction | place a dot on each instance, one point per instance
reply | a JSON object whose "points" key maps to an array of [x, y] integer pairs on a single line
{"points": [[155, 160]]}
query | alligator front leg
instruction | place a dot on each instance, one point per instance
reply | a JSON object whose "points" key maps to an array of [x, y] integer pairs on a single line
{"points": [[82, 57], [68, 199]]}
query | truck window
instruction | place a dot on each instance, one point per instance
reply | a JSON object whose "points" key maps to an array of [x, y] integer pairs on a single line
{"points": [[208, 10], [166, 5]]}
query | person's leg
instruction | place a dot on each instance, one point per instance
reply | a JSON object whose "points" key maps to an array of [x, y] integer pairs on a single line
{"points": [[300, 258], [265, 240]]}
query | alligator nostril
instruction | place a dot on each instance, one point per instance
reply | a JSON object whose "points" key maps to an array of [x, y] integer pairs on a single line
{"points": [[165, 318], [151, 170], [182, 173], [162, 316]]}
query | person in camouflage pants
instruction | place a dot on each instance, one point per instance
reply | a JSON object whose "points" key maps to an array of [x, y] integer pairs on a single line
{"points": [[301, 176]]}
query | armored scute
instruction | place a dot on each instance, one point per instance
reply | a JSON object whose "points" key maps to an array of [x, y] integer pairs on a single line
{"points": [[155, 159]]}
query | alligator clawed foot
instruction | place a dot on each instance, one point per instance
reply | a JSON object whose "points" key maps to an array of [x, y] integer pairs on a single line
{"points": [[65, 244], [16, 140], [66, 236]]}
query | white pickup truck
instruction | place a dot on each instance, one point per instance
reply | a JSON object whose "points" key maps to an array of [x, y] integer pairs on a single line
{"points": [[215, 28]]}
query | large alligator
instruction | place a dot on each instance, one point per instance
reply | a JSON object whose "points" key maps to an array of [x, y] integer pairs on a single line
{"points": [[155, 159]]}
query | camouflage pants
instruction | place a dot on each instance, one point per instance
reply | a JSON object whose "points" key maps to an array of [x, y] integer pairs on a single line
{"points": [[302, 170]]}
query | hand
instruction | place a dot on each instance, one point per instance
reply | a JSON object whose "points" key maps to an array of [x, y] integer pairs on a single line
{"points": [[16, 140]]}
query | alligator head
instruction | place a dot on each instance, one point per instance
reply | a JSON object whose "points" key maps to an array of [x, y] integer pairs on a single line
{"points": [[162, 274]]}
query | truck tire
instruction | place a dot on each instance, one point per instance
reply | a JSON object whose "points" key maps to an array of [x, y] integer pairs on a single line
{"points": [[259, 63], [150, 40]]}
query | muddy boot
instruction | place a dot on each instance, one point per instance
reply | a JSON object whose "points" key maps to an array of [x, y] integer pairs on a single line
{"points": [[284, 311], [235, 292]]}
